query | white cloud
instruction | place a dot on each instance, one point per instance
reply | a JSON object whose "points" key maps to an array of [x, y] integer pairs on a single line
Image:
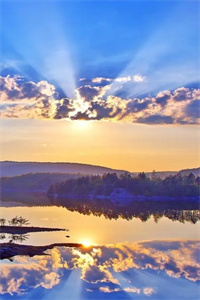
{"points": [[39, 100]]}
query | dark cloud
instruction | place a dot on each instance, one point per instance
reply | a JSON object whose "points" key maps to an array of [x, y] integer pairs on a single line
{"points": [[81, 116], [182, 94], [103, 112], [41, 100], [156, 119], [29, 90], [63, 108], [172, 266], [191, 271], [167, 245], [137, 105], [162, 100], [193, 109], [88, 92]]}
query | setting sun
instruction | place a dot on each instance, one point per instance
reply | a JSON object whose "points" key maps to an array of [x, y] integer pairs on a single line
{"points": [[81, 124]]}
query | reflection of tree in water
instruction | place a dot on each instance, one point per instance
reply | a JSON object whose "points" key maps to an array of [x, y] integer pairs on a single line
{"points": [[143, 211], [2, 236], [14, 237], [18, 238], [18, 221], [2, 221]]}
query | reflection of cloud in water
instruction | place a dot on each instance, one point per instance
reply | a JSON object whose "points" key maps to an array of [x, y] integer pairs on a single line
{"points": [[142, 269]]}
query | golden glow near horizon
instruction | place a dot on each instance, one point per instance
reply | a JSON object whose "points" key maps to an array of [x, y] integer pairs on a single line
{"points": [[126, 146], [81, 125], [94, 231]]}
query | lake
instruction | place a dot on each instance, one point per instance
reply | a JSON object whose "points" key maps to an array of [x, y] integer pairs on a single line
{"points": [[122, 259], [97, 230]]}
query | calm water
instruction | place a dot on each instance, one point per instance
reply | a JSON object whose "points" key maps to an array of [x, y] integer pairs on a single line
{"points": [[126, 260], [97, 230]]}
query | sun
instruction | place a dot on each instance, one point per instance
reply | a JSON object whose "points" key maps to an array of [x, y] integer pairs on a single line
{"points": [[82, 124], [86, 243]]}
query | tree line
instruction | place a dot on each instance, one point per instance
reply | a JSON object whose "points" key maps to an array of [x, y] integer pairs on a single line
{"points": [[171, 186]]}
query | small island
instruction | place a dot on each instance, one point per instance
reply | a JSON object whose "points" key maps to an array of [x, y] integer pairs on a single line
{"points": [[17, 232], [9, 250], [18, 225]]}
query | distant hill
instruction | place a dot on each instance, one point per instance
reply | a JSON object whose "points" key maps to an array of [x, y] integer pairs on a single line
{"points": [[12, 168], [185, 172], [28, 183], [195, 171], [34, 181]]}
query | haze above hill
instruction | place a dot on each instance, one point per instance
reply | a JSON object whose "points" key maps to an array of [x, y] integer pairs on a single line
{"points": [[13, 168]]}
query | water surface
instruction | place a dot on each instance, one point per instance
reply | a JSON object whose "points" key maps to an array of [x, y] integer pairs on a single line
{"points": [[155, 257], [98, 230]]}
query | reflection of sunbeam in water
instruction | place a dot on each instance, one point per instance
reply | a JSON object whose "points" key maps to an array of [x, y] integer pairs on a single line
{"points": [[133, 270], [86, 243], [125, 285], [71, 289], [137, 282]]}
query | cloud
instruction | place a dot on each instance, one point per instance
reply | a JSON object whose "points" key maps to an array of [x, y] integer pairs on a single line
{"points": [[64, 107], [163, 97], [100, 80], [156, 119], [182, 94], [14, 89], [21, 99], [192, 109], [105, 267], [137, 78], [87, 92]]}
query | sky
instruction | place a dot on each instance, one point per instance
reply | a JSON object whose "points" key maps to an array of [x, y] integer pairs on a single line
{"points": [[111, 83]]}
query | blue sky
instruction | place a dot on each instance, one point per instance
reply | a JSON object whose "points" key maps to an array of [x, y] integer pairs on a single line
{"points": [[100, 38], [131, 62]]}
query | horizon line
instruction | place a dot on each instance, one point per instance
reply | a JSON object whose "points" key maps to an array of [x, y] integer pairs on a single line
{"points": [[99, 166]]}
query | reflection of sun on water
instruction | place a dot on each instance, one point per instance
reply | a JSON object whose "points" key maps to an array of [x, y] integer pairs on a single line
{"points": [[86, 243]]}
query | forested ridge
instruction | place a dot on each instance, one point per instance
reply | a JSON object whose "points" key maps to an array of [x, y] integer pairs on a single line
{"points": [[111, 183]]}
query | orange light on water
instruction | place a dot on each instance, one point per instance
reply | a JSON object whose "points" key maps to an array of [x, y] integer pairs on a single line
{"points": [[86, 243]]}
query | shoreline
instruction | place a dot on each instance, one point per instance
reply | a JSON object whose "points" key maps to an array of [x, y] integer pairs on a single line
{"points": [[9, 250], [27, 229]]}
